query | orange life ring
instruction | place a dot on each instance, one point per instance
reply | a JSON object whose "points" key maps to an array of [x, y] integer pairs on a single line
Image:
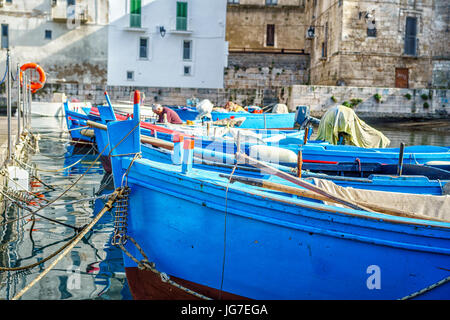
{"points": [[34, 85]]}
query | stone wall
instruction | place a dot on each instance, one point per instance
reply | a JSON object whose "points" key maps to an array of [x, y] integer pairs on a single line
{"points": [[250, 78], [441, 74], [165, 96], [247, 24], [265, 70], [395, 103], [355, 58]]}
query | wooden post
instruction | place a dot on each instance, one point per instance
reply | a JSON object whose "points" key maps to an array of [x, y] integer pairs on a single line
{"points": [[305, 137], [8, 102], [299, 163], [178, 150], [19, 130], [188, 155], [400, 159]]}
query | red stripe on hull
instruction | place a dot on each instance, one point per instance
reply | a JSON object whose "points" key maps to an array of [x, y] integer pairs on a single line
{"points": [[147, 285], [320, 161]]}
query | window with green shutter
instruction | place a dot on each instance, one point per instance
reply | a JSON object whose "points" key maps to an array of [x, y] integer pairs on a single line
{"points": [[181, 15], [135, 13]]}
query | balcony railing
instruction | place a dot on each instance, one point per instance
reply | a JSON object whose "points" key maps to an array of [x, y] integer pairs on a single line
{"points": [[181, 24], [62, 13], [135, 20]]}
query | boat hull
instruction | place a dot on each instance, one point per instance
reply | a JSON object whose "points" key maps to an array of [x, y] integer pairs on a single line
{"points": [[147, 285], [253, 247]]}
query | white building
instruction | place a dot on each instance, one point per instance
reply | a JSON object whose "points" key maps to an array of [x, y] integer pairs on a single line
{"points": [[167, 43]]}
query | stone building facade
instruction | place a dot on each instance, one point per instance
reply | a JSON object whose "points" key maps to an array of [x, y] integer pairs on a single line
{"points": [[266, 25], [67, 38], [266, 47], [355, 43], [392, 43]]}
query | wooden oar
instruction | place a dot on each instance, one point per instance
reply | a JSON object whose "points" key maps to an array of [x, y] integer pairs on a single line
{"points": [[312, 195], [400, 159], [240, 157]]}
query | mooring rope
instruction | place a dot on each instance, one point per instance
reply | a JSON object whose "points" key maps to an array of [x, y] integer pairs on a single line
{"points": [[67, 190], [145, 264], [68, 140], [225, 231], [56, 170], [33, 214], [429, 288], [69, 246], [108, 206], [35, 177]]}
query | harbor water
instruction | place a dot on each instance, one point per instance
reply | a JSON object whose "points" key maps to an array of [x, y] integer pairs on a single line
{"points": [[94, 268]]}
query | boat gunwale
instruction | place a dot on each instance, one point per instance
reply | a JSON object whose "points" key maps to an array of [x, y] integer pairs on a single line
{"points": [[340, 212]]}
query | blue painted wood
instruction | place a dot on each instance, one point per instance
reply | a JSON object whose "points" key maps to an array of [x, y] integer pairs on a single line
{"points": [[223, 153], [316, 151], [267, 245], [252, 120], [75, 119]]}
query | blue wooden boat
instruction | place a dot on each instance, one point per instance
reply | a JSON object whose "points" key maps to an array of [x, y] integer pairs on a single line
{"points": [[416, 178], [323, 152], [252, 120], [205, 238], [335, 159], [76, 120], [327, 156], [212, 157]]}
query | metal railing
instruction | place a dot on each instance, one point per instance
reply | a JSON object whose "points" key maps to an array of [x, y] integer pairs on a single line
{"points": [[181, 24], [135, 20]]}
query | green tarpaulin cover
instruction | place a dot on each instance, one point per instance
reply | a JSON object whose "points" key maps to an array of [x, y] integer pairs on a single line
{"points": [[341, 119]]}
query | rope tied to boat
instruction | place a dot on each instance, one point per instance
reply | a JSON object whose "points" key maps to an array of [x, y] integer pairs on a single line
{"points": [[120, 239], [424, 290], [145, 264], [54, 170], [71, 244]]}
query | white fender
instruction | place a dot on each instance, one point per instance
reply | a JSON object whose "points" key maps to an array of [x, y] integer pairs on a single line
{"points": [[272, 154]]}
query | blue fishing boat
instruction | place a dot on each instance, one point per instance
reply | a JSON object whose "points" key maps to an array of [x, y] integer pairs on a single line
{"points": [[318, 156], [252, 120], [214, 155], [318, 153], [76, 118], [325, 153], [188, 233]]}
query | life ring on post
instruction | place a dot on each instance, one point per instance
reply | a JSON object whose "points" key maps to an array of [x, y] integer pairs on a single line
{"points": [[34, 85]]}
